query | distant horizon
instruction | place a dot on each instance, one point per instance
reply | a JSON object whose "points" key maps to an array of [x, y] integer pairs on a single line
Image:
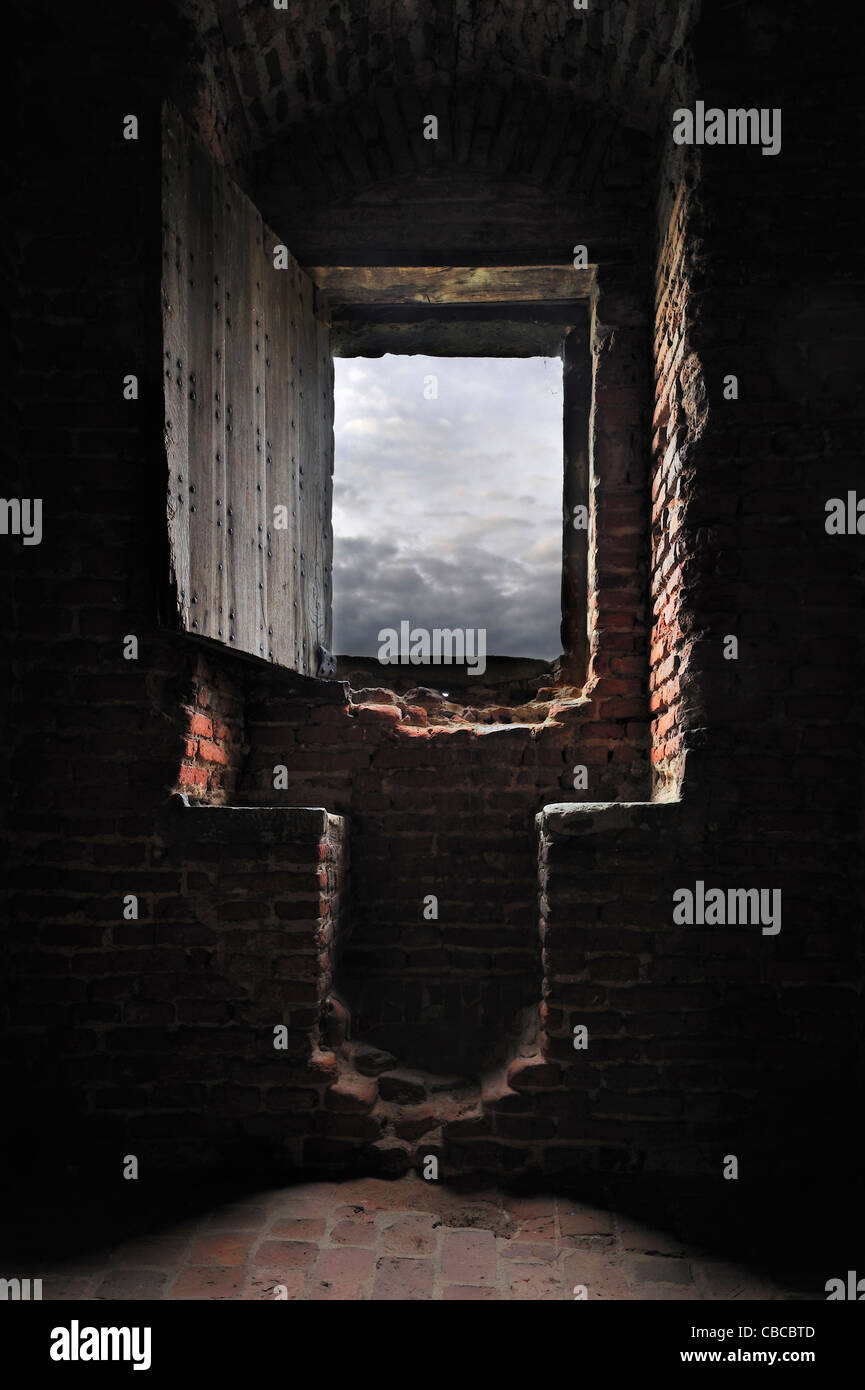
{"points": [[448, 509]]}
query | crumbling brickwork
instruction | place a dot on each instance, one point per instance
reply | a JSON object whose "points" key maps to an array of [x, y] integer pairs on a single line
{"points": [[212, 721]]}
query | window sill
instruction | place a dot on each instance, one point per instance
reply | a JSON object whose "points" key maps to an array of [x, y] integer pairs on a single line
{"points": [[512, 691]]}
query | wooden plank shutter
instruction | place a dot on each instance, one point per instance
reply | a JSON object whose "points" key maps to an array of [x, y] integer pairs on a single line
{"points": [[248, 387]]}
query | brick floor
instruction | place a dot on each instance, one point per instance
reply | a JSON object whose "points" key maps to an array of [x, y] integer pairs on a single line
{"points": [[403, 1240]]}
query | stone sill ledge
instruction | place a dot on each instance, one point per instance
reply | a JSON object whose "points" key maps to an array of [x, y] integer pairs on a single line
{"points": [[562, 820], [264, 824]]}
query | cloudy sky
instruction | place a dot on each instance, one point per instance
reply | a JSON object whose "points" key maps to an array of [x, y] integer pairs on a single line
{"points": [[448, 511]]}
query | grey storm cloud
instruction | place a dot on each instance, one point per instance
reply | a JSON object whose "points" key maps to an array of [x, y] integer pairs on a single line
{"points": [[448, 511]]}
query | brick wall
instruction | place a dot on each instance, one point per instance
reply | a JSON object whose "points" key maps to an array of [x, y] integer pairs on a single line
{"points": [[678, 421], [443, 809], [246, 945], [170, 1047], [212, 732], [751, 278], [704, 1040], [708, 1041], [446, 808], [96, 742]]}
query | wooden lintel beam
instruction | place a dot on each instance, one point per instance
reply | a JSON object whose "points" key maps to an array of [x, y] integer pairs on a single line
{"points": [[444, 285], [562, 311]]}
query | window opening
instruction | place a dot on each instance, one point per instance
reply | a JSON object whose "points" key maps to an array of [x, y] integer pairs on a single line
{"points": [[448, 511]]}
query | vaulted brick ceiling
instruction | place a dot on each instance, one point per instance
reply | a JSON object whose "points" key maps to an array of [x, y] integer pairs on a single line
{"points": [[272, 69]]}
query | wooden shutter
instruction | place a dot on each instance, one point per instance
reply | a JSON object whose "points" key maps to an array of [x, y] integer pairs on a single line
{"points": [[248, 385]]}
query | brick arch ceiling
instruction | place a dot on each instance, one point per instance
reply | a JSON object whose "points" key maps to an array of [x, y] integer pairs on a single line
{"points": [[266, 70], [515, 168]]}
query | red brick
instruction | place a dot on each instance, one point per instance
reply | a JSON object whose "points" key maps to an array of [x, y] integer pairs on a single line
{"points": [[286, 1254], [346, 1268], [352, 1095], [355, 1231], [203, 1283], [469, 1257], [223, 1250], [211, 752], [298, 1228], [409, 1235], [404, 1279], [533, 1075], [192, 776]]}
